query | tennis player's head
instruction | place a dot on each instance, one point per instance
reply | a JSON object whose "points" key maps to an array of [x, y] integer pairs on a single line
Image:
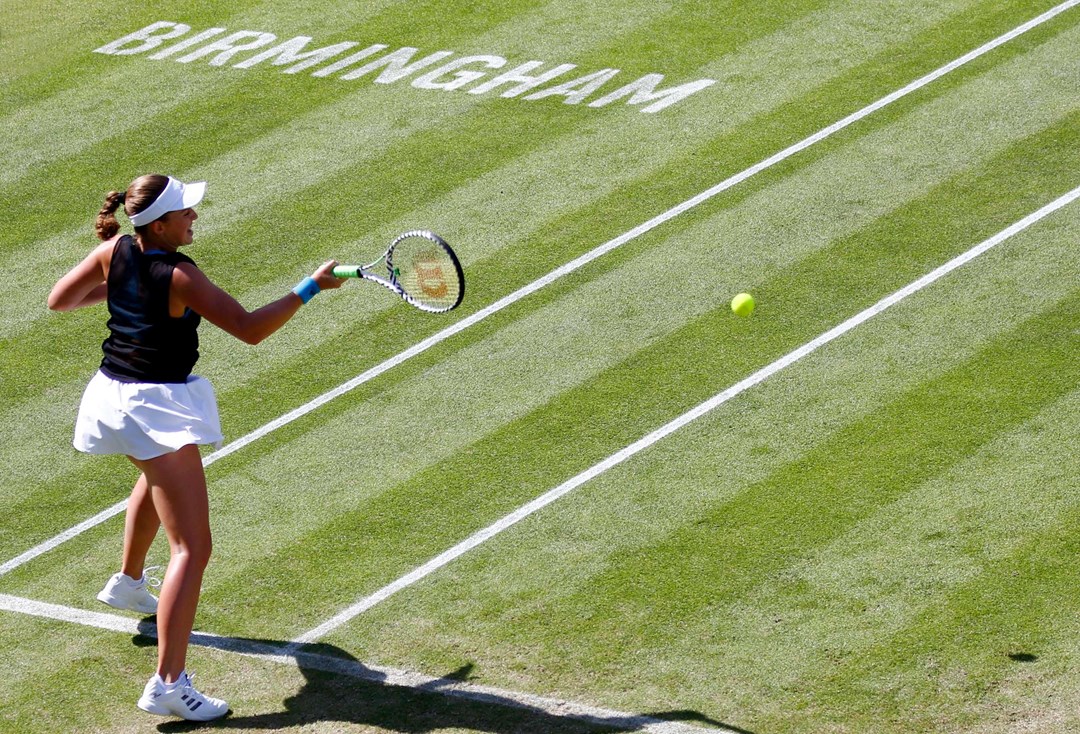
{"points": [[158, 206]]}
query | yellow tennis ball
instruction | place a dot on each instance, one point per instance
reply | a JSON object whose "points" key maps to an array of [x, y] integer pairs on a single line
{"points": [[742, 304]]}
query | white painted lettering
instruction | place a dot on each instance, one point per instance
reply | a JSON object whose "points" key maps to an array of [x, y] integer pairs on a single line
{"points": [[350, 60], [644, 90], [398, 66], [188, 43], [578, 89], [431, 71], [524, 81], [147, 35], [290, 52], [230, 45], [461, 78]]}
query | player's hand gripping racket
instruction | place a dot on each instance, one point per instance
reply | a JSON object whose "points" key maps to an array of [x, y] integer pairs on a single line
{"points": [[421, 268]]}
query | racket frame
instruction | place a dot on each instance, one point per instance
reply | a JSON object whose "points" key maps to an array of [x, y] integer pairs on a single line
{"points": [[366, 272]]}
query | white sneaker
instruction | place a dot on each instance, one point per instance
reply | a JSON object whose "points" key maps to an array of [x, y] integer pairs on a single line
{"points": [[180, 699], [124, 592]]}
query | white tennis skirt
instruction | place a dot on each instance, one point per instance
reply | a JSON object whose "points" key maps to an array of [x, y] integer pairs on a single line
{"points": [[144, 420]]}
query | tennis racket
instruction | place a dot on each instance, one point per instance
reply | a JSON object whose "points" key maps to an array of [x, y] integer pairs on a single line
{"points": [[420, 267]]}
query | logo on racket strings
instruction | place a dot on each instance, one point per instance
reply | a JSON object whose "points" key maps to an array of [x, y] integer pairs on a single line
{"points": [[429, 276]]}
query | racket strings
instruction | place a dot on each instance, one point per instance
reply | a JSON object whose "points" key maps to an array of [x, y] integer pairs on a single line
{"points": [[426, 271]]}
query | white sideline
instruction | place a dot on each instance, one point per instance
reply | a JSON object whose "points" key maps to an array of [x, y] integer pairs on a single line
{"points": [[554, 275], [355, 669], [643, 443]]}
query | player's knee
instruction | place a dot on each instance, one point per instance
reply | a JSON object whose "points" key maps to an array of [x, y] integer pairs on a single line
{"points": [[198, 553]]}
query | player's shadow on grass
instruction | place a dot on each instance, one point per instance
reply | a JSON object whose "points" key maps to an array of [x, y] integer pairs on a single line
{"points": [[338, 687]]}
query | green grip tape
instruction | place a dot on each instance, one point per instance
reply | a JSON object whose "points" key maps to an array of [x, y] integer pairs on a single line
{"points": [[346, 271]]}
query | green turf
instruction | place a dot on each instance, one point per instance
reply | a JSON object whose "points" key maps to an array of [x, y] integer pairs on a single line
{"points": [[877, 539]]}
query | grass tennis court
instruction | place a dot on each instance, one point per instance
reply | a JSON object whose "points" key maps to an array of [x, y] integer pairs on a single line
{"points": [[880, 537]]}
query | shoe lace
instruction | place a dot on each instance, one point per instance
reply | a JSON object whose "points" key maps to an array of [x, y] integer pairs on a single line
{"points": [[183, 683], [188, 684], [152, 580]]}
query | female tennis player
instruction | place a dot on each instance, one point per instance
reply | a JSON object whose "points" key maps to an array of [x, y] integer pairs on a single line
{"points": [[145, 403]]}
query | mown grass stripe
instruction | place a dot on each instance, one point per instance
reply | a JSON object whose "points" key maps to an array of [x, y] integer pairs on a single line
{"points": [[645, 442], [47, 59], [167, 88], [817, 498], [845, 602], [772, 127], [926, 676]]}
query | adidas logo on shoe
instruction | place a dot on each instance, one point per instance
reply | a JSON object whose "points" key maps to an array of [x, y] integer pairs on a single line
{"points": [[180, 699]]}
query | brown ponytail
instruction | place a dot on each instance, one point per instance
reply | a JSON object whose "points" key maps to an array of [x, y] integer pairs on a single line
{"points": [[142, 192], [106, 224]]}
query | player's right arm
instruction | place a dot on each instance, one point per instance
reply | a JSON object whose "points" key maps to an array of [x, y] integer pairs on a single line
{"points": [[191, 288]]}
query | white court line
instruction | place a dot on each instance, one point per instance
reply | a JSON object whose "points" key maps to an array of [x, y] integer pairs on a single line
{"points": [[353, 668], [554, 275], [643, 443]]}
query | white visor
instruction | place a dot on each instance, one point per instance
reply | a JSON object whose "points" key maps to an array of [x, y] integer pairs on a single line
{"points": [[175, 197]]}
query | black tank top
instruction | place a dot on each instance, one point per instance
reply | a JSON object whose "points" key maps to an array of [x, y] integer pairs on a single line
{"points": [[145, 343]]}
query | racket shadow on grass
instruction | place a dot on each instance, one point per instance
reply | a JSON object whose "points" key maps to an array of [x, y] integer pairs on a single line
{"points": [[339, 688]]}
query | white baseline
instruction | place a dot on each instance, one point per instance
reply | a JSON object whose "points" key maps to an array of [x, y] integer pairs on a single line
{"points": [[554, 275], [555, 708], [691, 415], [353, 668]]}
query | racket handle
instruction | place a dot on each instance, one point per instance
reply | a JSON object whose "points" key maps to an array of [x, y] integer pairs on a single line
{"points": [[346, 271]]}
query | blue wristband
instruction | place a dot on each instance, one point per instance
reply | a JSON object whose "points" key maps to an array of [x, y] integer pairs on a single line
{"points": [[306, 289]]}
